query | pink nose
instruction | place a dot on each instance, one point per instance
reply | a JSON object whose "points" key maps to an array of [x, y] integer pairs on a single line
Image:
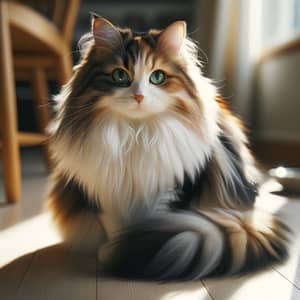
{"points": [[138, 98]]}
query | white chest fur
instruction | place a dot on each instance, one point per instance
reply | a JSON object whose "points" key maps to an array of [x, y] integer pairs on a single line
{"points": [[120, 165]]}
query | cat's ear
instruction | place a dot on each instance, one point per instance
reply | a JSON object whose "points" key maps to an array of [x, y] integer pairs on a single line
{"points": [[105, 33], [171, 39]]}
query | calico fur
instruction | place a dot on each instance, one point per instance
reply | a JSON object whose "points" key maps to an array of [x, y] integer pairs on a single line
{"points": [[165, 189]]}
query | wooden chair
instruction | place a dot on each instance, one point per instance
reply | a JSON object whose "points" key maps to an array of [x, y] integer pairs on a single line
{"points": [[33, 48]]}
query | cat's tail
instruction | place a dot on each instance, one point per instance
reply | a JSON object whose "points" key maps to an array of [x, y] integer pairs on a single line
{"points": [[190, 246]]}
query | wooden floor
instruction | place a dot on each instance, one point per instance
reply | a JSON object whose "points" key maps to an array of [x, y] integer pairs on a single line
{"points": [[36, 266]]}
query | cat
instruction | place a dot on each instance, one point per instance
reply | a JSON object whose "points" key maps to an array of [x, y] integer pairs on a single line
{"points": [[152, 170]]}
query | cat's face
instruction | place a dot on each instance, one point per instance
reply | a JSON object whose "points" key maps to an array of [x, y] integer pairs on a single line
{"points": [[135, 76], [145, 88]]}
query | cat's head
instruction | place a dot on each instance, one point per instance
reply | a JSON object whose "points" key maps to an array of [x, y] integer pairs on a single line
{"points": [[137, 76]]}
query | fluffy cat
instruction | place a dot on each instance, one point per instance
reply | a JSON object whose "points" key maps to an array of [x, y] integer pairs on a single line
{"points": [[151, 168]]}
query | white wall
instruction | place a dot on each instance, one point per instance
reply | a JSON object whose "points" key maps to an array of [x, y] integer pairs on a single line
{"points": [[277, 114]]}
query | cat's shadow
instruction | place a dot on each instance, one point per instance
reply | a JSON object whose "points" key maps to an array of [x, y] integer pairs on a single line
{"points": [[60, 273], [57, 271]]}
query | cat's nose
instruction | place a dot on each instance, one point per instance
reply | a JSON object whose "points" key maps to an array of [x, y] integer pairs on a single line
{"points": [[139, 98]]}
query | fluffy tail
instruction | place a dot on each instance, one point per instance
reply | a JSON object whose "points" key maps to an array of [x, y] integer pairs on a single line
{"points": [[190, 246]]}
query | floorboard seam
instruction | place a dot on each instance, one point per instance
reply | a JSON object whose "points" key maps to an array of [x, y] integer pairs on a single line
{"points": [[298, 288], [207, 291], [26, 271], [96, 275]]}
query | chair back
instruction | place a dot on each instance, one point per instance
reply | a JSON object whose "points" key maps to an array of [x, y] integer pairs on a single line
{"points": [[62, 13]]}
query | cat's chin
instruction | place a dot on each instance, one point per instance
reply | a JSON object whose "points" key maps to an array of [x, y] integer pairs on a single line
{"points": [[138, 113]]}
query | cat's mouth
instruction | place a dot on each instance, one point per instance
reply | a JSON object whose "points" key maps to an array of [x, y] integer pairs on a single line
{"points": [[130, 108], [139, 107], [137, 111]]}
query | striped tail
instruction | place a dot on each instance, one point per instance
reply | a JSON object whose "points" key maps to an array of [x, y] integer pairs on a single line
{"points": [[190, 246]]}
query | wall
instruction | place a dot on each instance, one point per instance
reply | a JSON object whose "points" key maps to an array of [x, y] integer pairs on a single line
{"points": [[277, 109]]}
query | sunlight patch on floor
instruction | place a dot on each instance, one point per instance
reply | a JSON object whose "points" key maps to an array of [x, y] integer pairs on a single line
{"points": [[185, 295], [35, 233], [270, 202]]}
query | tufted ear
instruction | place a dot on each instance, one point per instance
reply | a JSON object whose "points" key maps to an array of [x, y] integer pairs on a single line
{"points": [[105, 33], [171, 39]]}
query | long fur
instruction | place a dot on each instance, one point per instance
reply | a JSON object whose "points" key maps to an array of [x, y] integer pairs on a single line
{"points": [[167, 191]]}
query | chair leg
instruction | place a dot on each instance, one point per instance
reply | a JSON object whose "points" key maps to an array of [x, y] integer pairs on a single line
{"points": [[64, 71], [9, 133], [42, 109]]}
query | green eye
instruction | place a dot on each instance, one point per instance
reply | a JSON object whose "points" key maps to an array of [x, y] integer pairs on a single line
{"points": [[120, 77], [157, 77]]}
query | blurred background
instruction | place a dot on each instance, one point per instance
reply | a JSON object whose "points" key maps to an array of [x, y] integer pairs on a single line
{"points": [[251, 50]]}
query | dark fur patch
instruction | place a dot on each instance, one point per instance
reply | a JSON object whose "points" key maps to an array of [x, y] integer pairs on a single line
{"points": [[134, 253], [243, 189], [70, 198], [191, 188]]}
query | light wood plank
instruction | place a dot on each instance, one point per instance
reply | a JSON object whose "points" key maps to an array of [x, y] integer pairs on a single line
{"points": [[285, 208], [56, 273], [64, 68], [42, 107], [296, 281], [40, 97], [8, 112], [28, 236], [29, 139], [108, 289], [71, 11], [260, 286], [12, 275], [290, 270], [37, 26], [276, 283]]}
